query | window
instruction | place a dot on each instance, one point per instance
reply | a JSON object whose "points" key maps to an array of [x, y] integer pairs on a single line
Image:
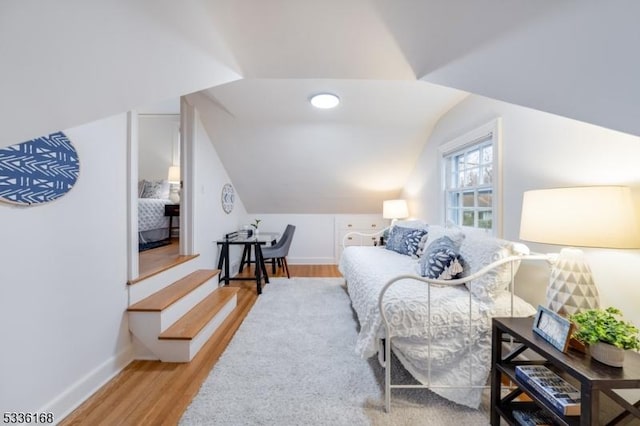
{"points": [[471, 179]]}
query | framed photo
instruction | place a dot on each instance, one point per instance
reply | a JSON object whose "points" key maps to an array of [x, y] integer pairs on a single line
{"points": [[553, 328]]}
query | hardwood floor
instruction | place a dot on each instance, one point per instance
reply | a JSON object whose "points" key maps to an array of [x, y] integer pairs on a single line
{"points": [[152, 262], [156, 393]]}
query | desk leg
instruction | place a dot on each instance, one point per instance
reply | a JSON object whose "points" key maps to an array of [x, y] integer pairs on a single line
{"points": [[258, 269], [225, 257], [246, 257]]}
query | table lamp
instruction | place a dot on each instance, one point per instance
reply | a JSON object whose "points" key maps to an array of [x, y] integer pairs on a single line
{"points": [[394, 210], [173, 177], [594, 216]]}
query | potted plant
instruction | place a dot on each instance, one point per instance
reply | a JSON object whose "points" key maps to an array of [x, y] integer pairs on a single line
{"points": [[607, 335], [255, 225]]}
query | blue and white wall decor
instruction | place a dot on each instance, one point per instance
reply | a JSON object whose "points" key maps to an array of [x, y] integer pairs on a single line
{"points": [[39, 170]]}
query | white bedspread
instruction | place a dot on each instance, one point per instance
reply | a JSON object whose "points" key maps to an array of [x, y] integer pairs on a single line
{"points": [[457, 347], [151, 214]]}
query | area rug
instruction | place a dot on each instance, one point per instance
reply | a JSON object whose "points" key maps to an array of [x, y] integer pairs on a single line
{"points": [[293, 362]]}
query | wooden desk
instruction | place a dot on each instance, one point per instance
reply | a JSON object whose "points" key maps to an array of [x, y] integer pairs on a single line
{"points": [[270, 239], [224, 263]]}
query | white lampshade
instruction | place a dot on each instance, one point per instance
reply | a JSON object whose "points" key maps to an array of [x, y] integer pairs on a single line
{"points": [[592, 216], [174, 174], [395, 209]]}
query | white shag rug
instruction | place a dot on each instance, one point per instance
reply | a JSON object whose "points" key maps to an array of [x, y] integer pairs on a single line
{"points": [[292, 362]]}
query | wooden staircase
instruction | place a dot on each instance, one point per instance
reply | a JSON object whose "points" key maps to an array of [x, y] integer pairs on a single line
{"points": [[174, 322]]}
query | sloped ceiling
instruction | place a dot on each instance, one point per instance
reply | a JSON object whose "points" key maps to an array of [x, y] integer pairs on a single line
{"points": [[69, 62], [284, 155]]}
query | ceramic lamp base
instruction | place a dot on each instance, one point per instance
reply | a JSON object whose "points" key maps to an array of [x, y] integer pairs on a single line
{"points": [[571, 286]]}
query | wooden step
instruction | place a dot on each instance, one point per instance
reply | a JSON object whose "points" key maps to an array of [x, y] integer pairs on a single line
{"points": [[163, 265], [172, 293], [187, 327]]}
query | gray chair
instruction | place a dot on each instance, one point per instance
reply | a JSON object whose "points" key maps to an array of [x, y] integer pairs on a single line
{"points": [[279, 251]]}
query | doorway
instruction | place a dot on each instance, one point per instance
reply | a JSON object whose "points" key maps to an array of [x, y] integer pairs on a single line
{"points": [[158, 207]]}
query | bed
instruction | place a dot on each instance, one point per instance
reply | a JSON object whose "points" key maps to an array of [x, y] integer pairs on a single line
{"points": [[153, 225], [439, 329]]}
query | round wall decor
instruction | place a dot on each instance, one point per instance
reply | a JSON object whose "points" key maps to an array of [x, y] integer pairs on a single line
{"points": [[228, 197], [38, 171]]}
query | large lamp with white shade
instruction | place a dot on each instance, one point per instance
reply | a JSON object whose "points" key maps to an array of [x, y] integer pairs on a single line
{"points": [[593, 216]]}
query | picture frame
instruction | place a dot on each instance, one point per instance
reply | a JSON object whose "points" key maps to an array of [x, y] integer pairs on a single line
{"points": [[553, 328]]}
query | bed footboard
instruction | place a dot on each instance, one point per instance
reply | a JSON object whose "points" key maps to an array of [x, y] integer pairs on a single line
{"points": [[429, 284]]}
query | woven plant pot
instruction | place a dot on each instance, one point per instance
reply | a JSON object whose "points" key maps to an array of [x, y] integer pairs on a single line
{"points": [[607, 354]]}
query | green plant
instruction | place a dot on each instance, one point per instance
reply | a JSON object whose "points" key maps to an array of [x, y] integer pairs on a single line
{"points": [[256, 223], [598, 325]]}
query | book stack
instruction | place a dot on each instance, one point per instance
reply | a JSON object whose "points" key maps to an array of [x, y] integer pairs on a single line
{"points": [[561, 396], [532, 417]]}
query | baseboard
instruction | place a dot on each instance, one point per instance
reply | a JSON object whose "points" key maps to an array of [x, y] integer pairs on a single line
{"points": [[311, 260], [81, 390]]}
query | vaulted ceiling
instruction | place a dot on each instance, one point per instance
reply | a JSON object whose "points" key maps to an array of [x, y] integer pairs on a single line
{"points": [[250, 66]]}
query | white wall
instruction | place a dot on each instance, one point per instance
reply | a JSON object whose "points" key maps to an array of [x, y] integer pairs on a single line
{"points": [[541, 150], [64, 272], [63, 278], [108, 57], [158, 145], [211, 222], [313, 241]]}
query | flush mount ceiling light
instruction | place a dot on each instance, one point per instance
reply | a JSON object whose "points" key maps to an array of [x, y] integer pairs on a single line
{"points": [[324, 100]]}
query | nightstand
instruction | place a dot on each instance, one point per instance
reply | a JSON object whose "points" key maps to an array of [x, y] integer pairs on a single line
{"points": [[171, 210], [593, 379]]}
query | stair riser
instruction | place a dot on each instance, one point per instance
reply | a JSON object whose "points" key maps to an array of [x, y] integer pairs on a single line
{"points": [[198, 342], [185, 304], [147, 325], [185, 350], [153, 284]]}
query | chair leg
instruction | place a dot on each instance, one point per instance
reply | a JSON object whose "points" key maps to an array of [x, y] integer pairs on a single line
{"points": [[286, 266], [273, 266]]}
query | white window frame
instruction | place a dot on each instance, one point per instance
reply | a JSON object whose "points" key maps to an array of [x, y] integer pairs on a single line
{"points": [[491, 131]]}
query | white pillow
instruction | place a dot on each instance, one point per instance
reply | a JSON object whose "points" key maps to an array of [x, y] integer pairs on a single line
{"points": [[436, 232], [156, 189], [479, 251], [411, 223]]}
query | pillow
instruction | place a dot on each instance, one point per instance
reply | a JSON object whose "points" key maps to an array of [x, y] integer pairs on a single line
{"points": [[479, 251], [156, 189], [422, 244], [141, 184], [441, 260], [405, 223], [454, 233], [410, 223], [405, 240]]}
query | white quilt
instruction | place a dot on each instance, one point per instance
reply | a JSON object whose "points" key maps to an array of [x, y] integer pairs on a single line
{"points": [[457, 347], [151, 214]]}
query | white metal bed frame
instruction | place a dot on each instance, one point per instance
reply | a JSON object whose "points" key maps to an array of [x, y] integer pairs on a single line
{"points": [[461, 281]]}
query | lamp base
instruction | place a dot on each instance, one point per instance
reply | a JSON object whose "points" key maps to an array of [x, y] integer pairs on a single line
{"points": [[571, 286]]}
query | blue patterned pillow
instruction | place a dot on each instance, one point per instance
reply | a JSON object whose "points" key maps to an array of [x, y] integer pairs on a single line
{"points": [[405, 240], [442, 261]]}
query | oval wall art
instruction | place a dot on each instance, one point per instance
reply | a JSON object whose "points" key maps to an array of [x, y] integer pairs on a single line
{"points": [[39, 170]]}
